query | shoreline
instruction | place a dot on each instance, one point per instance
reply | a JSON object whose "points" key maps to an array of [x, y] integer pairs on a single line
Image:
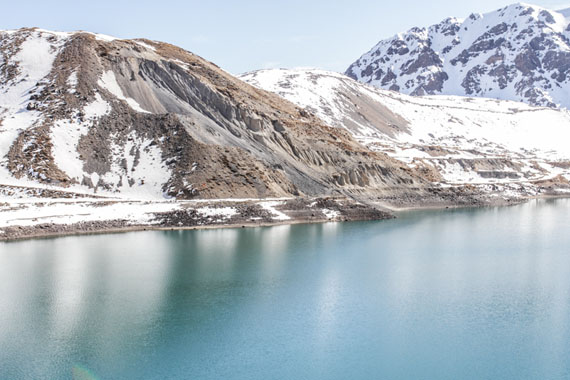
{"points": [[209, 214], [496, 202], [306, 215], [127, 229]]}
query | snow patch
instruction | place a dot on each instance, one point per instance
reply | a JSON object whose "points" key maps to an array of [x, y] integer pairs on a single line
{"points": [[137, 168], [72, 81], [34, 61], [222, 212], [97, 108], [330, 214], [65, 136], [58, 212], [145, 45], [103, 37], [270, 206]]}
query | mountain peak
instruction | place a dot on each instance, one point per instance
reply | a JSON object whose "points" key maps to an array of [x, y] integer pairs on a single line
{"points": [[519, 52]]}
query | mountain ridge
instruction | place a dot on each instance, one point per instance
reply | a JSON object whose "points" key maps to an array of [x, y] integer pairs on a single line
{"points": [[520, 52]]}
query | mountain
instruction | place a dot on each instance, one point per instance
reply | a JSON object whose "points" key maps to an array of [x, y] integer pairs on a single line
{"points": [[493, 144], [145, 119], [103, 134], [520, 52]]}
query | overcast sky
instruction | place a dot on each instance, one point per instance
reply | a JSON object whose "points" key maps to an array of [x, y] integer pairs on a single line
{"points": [[245, 35]]}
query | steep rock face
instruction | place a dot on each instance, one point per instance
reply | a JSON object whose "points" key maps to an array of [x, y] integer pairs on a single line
{"points": [[147, 119], [448, 139], [520, 52]]}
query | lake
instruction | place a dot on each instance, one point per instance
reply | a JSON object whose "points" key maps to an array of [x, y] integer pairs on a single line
{"points": [[453, 294]]}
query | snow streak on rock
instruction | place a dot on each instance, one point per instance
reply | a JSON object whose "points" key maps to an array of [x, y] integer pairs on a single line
{"points": [[25, 64]]}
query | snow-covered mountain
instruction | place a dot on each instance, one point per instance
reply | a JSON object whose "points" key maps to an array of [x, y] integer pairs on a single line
{"points": [[145, 119], [520, 52], [452, 140]]}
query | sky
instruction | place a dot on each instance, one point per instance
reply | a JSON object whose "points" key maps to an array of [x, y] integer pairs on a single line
{"points": [[246, 35]]}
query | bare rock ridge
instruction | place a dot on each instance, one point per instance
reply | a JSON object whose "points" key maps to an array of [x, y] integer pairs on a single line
{"points": [[142, 118], [520, 52]]}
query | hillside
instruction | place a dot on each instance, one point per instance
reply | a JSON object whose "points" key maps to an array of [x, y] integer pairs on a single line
{"points": [[144, 119], [102, 134], [520, 52], [452, 140]]}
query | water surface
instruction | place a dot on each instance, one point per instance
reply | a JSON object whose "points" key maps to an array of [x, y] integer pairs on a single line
{"points": [[461, 294]]}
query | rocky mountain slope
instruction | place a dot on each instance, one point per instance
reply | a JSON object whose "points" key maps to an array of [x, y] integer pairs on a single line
{"points": [[143, 119], [495, 145], [101, 134], [520, 52]]}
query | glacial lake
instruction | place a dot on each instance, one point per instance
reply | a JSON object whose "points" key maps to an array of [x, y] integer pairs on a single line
{"points": [[453, 294]]}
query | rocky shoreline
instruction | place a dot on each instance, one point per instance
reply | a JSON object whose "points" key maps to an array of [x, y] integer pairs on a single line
{"points": [[209, 214], [35, 213]]}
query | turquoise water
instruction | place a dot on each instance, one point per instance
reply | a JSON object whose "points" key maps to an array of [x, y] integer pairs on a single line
{"points": [[463, 294]]}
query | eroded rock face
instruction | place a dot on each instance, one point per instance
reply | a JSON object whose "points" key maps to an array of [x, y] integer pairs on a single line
{"points": [[519, 52], [148, 119]]}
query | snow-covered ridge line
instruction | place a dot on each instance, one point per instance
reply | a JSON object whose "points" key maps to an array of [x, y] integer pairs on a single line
{"points": [[274, 78]]}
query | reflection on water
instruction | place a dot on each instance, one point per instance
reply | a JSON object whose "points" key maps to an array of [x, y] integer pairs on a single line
{"points": [[465, 294]]}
